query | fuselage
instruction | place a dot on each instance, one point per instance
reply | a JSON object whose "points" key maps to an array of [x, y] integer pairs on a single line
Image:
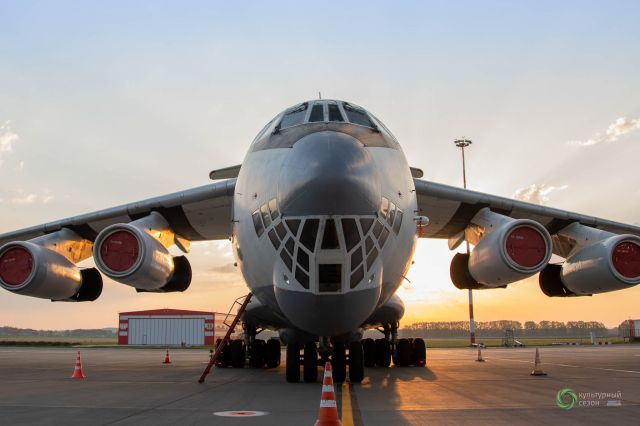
{"points": [[324, 211]]}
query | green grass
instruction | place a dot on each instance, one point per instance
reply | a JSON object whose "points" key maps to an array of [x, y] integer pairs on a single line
{"points": [[432, 343], [533, 341], [54, 341]]}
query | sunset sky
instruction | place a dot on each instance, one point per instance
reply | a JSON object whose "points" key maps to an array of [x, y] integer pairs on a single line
{"points": [[103, 103]]}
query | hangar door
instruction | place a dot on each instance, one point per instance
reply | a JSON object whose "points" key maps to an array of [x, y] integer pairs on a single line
{"points": [[166, 331]]}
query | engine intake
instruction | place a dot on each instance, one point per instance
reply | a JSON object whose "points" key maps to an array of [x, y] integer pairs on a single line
{"points": [[32, 270], [607, 265], [506, 250], [132, 256]]}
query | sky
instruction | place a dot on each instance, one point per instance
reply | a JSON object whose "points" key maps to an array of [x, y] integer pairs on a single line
{"points": [[103, 103]]}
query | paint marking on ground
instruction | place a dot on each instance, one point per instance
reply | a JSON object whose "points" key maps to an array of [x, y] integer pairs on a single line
{"points": [[347, 410], [242, 413], [571, 366]]}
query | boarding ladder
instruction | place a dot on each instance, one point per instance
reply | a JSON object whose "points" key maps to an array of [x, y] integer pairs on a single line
{"points": [[227, 337]]}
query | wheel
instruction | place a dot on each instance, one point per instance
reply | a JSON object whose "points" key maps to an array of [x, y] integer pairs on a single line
{"points": [[293, 362], [310, 363], [272, 353], [339, 363], [403, 353], [256, 354], [369, 347], [224, 359], [237, 353], [419, 353], [356, 362], [383, 353]]}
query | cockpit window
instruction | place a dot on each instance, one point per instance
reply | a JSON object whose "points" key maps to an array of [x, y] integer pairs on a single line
{"points": [[357, 115], [334, 112], [317, 113], [294, 116]]}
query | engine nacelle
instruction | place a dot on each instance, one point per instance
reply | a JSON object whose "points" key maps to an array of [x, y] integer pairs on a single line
{"points": [[607, 265], [32, 270], [130, 255], [506, 250]]}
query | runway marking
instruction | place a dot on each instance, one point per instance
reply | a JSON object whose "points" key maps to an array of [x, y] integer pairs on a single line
{"points": [[571, 366], [350, 410], [347, 410], [240, 413]]}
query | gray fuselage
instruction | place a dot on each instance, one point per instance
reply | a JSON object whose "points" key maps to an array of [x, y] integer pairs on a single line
{"points": [[324, 227]]}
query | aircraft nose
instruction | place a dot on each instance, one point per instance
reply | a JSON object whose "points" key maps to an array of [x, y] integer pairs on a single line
{"points": [[328, 173]]}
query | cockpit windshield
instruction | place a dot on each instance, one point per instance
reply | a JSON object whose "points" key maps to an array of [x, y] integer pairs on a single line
{"points": [[357, 115], [294, 116], [320, 115], [326, 111]]}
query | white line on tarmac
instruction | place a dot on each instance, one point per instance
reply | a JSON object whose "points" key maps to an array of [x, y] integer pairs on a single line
{"points": [[569, 365]]}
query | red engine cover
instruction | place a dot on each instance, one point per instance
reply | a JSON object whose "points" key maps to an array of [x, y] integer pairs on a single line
{"points": [[526, 246], [626, 259], [120, 251], [16, 265]]}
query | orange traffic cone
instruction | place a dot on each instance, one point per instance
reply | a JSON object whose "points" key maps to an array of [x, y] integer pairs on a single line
{"points": [[480, 359], [167, 360], [537, 368], [77, 372], [328, 415]]}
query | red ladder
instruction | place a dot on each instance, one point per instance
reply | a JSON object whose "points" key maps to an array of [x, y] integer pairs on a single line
{"points": [[227, 337]]}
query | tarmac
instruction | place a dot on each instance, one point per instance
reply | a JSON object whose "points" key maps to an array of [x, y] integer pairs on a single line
{"points": [[125, 386]]}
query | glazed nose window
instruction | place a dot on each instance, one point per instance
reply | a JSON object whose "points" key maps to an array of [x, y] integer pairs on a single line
{"points": [[330, 237]]}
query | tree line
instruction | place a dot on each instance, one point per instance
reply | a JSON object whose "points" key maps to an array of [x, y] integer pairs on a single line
{"points": [[28, 332], [497, 328]]}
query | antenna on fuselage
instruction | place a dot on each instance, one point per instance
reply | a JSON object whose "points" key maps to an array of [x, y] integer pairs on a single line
{"points": [[319, 95]]}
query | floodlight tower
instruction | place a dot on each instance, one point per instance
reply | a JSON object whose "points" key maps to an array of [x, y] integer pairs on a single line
{"points": [[462, 144]]}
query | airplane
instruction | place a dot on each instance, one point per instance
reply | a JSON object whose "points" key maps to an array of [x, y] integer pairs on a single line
{"points": [[323, 214]]}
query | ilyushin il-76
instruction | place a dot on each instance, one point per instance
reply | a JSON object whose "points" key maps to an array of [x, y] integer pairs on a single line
{"points": [[323, 214]]}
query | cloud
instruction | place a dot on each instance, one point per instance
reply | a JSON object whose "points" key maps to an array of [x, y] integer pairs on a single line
{"points": [[8, 139], [537, 193], [622, 126], [32, 198], [228, 268]]}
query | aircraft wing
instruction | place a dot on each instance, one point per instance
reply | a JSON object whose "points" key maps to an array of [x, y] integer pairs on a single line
{"points": [[450, 210], [202, 213]]}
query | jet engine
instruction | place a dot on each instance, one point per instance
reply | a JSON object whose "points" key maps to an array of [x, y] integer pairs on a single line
{"points": [[136, 254], [600, 262], [33, 270], [506, 250]]}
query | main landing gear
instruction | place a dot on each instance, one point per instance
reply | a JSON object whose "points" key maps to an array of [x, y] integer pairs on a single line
{"points": [[353, 357], [257, 353]]}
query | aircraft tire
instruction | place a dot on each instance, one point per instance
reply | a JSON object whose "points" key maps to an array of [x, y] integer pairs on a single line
{"points": [[339, 363], [310, 363], [403, 355], [356, 362], [419, 353], [272, 353], [257, 353], [383, 353], [369, 348], [292, 364], [236, 353]]}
